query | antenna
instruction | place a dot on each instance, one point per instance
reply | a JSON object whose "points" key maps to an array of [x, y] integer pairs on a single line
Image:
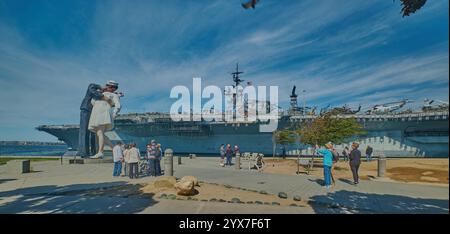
{"points": [[236, 74]]}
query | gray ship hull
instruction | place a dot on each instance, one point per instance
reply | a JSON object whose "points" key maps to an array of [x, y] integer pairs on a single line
{"points": [[421, 135]]}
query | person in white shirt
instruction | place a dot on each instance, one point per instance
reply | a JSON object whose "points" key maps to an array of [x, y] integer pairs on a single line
{"points": [[117, 158], [134, 157]]}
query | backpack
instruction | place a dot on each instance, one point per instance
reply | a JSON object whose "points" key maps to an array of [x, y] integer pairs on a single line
{"points": [[335, 155]]}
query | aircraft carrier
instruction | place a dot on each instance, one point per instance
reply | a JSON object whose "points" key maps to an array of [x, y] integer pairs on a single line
{"points": [[388, 130]]}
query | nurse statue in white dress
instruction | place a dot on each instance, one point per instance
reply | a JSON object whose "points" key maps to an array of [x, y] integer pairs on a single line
{"points": [[103, 115]]}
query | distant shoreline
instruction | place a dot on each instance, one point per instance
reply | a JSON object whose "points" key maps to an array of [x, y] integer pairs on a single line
{"points": [[31, 143]]}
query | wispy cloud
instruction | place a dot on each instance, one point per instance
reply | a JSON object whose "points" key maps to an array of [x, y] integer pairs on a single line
{"points": [[339, 51]]}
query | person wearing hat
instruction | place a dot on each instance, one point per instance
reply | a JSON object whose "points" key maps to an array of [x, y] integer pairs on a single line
{"points": [[327, 163], [103, 115], [355, 162], [86, 139]]}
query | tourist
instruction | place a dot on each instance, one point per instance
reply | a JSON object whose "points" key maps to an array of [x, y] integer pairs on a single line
{"points": [[134, 157], [228, 154], [117, 158], [236, 151], [158, 159], [327, 164], [369, 151], [335, 160], [151, 156], [126, 157], [355, 161], [345, 153], [222, 155]]}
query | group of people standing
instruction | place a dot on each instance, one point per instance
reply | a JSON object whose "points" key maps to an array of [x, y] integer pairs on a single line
{"points": [[128, 157], [331, 157], [227, 153]]}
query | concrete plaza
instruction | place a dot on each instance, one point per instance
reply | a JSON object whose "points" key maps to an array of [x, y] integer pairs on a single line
{"points": [[56, 188]]}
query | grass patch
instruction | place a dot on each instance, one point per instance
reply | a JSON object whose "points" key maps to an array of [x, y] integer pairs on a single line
{"points": [[4, 160]]}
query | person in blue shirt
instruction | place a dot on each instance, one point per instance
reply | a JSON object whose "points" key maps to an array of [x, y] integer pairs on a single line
{"points": [[327, 163]]}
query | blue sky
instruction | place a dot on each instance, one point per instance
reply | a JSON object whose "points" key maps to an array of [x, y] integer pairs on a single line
{"points": [[341, 52]]}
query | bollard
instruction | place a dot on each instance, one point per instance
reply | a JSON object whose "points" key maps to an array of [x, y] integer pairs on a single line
{"points": [[26, 166], [381, 165], [238, 162], [179, 160], [168, 162]]}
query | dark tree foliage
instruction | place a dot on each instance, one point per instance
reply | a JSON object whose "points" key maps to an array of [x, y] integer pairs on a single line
{"points": [[411, 6]]}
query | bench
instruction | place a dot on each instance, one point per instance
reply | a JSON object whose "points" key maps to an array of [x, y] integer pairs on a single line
{"points": [[307, 162]]}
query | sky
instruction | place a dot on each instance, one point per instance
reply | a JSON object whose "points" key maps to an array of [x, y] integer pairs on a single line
{"points": [[341, 52]]}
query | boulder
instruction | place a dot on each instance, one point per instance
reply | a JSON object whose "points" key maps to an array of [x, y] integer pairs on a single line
{"points": [[185, 188], [235, 200], [297, 198], [190, 178], [164, 182], [282, 195]]}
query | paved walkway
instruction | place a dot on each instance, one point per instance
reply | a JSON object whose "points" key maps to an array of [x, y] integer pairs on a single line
{"points": [[40, 192]]}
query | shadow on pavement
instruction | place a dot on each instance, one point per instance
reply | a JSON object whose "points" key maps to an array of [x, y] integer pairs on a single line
{"points": [[114, 197], [5, 180], [355, 202], [320, 182], [347, 181]]}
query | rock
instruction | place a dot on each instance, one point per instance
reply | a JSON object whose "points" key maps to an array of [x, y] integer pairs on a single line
{"points": [[190, 178], [172, 196], [222, 200], [249, 202], [282, 195], [194, 199], [297, 198], [266, 203], [235, 200], [275, 204], [227, 186], [185, 188], [204, 200], [293, 204], [259, 202], [263, 192], [165, 182], [212, 200], [189, 198], [163, 196]]}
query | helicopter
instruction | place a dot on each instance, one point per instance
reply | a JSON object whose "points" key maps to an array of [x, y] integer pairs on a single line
{"points": [[345, 110]]}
